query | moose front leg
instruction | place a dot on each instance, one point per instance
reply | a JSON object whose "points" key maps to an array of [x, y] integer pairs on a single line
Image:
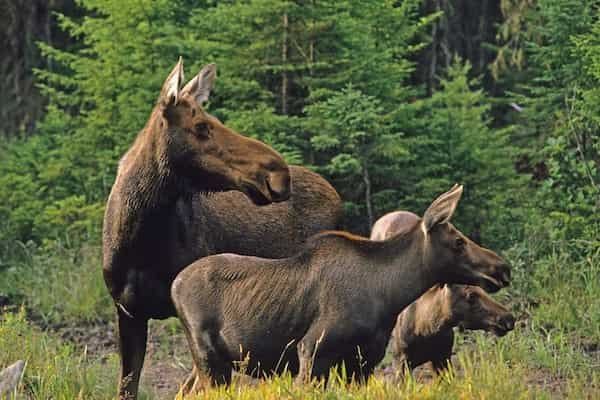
{"points": [[441, 364], [132, 334]]}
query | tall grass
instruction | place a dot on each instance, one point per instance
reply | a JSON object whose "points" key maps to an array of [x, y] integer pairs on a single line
{"points": [[54, 370], [482, 376], [553, 353], [58, 284]]}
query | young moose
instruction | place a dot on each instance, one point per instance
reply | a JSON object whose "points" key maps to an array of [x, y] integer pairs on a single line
{"points": [[336, 301], [424, 330], [162, 212]]}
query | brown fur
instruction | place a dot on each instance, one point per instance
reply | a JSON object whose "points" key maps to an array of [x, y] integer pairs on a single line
{"points": [[161, 214], [424, 330], [336, 301]]}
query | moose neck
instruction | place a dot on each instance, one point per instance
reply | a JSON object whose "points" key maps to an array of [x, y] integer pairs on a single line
{"points": [[408, 271], [436, 312], [148, 177], [145, 185]]}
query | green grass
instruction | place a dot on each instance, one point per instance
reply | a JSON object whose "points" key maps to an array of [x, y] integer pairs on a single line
{"points": [[488, 369], [481, 378], [54, 369], [58, 284], [553, 353]]}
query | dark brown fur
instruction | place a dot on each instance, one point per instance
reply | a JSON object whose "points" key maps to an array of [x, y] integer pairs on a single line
{"points": [[336, 301], [161, 214], [424, 330]]}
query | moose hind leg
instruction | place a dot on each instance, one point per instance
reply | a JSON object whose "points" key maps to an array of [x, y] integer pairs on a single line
{"points": [[132, 334], [314, 363], [211, 363]]}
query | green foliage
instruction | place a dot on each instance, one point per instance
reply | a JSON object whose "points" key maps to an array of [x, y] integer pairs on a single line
{"points": [[350, 127], [453, 141], [560, 119]]}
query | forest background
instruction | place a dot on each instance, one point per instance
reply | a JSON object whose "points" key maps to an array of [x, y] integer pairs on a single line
{"points": [[392, 101]]}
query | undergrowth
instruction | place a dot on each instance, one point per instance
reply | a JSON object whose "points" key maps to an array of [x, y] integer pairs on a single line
{"points": [[554, 351], [54, 369], [58, 284]]}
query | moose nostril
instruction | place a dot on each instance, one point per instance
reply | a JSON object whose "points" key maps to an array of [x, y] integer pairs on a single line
{"points": [[279, 185], [509, 322]]}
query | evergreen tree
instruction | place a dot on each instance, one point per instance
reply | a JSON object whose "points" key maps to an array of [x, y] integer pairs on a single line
{"points": [[560, 116], [351, 125], [452, 142]]}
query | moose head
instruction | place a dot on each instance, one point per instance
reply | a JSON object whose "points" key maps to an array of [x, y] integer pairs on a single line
{"points": [[463, 261], [209, 155]]}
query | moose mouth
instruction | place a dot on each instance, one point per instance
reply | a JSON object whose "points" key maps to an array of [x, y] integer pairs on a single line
{"points": [[263, 197], [500, 329], [489, 283]]}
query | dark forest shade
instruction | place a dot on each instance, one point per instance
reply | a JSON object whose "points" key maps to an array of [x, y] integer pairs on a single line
{"points": [[22, 24], [427, 131]]}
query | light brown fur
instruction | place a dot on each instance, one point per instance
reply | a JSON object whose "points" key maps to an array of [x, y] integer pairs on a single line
{"points": [[424, 330]]}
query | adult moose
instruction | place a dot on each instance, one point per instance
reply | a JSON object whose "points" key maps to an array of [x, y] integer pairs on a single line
{"points": [[336, 301], [162, 213]]}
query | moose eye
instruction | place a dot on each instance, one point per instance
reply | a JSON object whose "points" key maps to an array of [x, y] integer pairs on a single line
{"points": [[202, 130], [471, 298]]}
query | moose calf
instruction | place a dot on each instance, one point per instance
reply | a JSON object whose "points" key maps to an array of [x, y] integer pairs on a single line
{"points": [[424, 330], [335, 302]]}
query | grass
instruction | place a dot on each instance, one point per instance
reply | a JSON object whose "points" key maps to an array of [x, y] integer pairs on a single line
{"points": [[553, 353], [62, 285], [486, 369], [54, 369], [481, 378]]}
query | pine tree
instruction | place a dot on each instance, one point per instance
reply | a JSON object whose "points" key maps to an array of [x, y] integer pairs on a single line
{"points": [[452, 142]]}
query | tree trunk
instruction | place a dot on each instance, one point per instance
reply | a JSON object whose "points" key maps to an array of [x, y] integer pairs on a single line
{"points": [[284, 74], [368, 200], [433, 65]]}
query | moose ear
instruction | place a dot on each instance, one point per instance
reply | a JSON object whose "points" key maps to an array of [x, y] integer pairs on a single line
{"points": [[200, 87], [442, 208], [170, 90]]}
